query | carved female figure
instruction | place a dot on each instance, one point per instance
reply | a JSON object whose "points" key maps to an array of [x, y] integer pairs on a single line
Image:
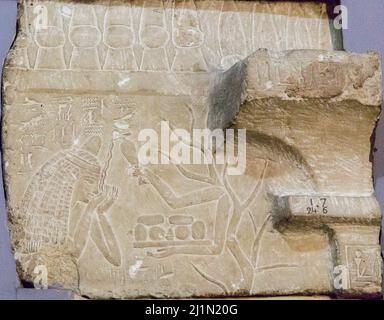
{"points": [[67, 202]]}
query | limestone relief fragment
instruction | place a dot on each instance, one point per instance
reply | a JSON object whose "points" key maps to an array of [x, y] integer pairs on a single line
{"points": [[284, 205]]}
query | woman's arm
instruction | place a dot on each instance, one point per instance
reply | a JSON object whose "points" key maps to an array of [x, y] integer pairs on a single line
{"points": [[101, 230], [81, 233], [105, 240], [80, 229]]}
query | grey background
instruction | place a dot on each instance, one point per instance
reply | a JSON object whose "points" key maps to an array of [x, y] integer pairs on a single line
{"points": [[365, 32]]}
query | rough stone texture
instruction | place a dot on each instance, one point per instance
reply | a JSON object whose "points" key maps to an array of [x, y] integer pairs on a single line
{"points": [[77, 95]]}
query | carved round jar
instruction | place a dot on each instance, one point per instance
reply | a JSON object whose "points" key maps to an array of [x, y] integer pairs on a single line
{"points": [[50, 37], [154, 37], [85, 36], [156, 233], [119, 37], [140, 233], [182, 232], [198, 230], [188, 37]]}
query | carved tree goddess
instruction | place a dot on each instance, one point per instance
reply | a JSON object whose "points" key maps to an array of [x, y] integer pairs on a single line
{"points": [[229, 208], [229, 211]]}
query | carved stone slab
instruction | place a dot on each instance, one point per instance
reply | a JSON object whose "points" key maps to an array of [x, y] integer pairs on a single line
{"points": [[300, 218]]}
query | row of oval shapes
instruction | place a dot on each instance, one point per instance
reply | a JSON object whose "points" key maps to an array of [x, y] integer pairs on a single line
{"points": [[118, 37], [183, 231]]}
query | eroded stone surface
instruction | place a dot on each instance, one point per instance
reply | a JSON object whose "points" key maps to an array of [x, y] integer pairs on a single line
{"points": [[301, 219]]}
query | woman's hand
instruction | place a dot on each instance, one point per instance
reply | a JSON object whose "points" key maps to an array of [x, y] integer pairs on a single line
{"points": [[101, 202], [110, 195], [95, 201]]}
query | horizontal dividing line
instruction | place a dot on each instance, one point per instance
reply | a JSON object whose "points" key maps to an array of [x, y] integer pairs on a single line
{"points": [[162, 244], [109, 82], [105, 92]]}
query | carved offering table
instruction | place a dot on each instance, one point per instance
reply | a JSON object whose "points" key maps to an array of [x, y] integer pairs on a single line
{"points": [[107, 191]]}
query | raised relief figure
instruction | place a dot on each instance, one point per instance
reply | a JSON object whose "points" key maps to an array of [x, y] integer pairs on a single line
{"points": [[67, 202]]}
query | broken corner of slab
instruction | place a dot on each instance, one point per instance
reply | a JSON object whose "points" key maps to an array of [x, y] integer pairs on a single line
{"points": [[300, 218]]}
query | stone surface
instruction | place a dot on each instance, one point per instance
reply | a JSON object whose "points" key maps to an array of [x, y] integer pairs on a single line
{"points": [[302, 219]]}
